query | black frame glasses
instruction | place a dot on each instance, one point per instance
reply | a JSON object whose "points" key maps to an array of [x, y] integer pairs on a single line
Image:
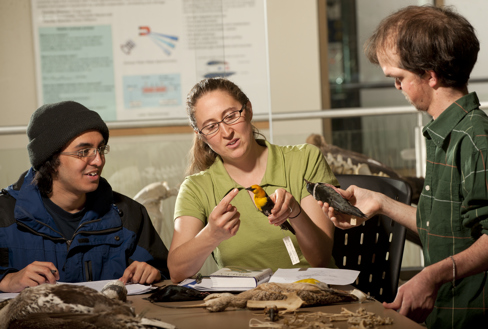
{"points": [[90, 152], [214, 127]]}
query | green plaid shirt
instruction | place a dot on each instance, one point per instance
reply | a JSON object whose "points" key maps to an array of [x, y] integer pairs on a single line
{"points": [[453, 206]]}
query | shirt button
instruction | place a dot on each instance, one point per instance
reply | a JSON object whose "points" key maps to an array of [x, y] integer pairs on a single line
{"points": [[427, 187], [117, 238]]}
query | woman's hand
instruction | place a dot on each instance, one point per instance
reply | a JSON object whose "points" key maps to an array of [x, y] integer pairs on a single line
{"points": [[224, 220], [285, 206]]}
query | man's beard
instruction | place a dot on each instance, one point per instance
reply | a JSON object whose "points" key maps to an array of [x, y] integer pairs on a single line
{"points": [[419, 107]]}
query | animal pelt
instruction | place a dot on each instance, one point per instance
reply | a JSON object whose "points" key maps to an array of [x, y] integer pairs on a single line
{"points": [[311, 294], [67, 306], [176, 294]]}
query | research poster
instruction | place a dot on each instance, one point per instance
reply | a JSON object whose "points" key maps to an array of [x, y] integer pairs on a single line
{"points": [[137, 59]]}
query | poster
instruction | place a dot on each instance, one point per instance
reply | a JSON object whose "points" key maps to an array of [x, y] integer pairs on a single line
{"points": [[137, 60]]}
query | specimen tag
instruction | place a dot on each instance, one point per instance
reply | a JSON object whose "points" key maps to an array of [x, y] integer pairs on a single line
{"points": [[291, 250]]}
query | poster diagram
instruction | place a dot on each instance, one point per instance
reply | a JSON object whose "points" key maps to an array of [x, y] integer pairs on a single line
{"points": [[148, 91], [137, 60], [166, 42]]}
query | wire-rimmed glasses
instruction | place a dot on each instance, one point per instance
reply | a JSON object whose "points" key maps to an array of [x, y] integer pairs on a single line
{"points": [[89, 153], [213, 127]]}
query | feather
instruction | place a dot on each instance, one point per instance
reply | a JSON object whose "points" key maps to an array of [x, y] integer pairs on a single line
{"points": [[70, 306], [328, 193]]}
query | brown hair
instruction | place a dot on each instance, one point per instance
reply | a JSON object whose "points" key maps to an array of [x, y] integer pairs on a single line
{"points": [[428, 38], [201, 155], [45, 173]]}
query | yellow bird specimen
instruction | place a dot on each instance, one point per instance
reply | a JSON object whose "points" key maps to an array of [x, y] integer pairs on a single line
{"points": [[264, 204]]}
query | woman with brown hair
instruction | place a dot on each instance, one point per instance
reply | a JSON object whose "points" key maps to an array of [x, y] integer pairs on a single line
{"points": [[228, 156]]}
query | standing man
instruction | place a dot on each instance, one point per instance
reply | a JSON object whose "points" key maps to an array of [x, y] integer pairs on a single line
{"points": [[430, 53], [62, 221]]}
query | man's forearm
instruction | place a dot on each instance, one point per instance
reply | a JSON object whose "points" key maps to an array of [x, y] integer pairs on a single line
{"points": [[469, 262], [401, 213]]}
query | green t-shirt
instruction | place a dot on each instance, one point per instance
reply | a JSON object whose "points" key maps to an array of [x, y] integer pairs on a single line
{"points": [[257, 244]]}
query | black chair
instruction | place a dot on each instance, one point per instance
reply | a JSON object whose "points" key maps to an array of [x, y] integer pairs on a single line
{"points": [[374, 248]]}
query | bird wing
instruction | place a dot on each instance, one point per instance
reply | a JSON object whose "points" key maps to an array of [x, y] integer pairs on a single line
{"points": [[267, 205]]}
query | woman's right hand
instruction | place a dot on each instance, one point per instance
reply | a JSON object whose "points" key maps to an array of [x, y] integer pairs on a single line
{"points": [[224, 220], [367, 201]]}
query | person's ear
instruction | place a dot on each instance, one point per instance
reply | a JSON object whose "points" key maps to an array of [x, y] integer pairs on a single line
{"points": [[433, 79], [249, 110]]}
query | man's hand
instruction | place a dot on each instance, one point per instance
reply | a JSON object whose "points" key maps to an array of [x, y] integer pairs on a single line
{"points": [[32, 275], [415, 299], [140, 272], [367, 201]]}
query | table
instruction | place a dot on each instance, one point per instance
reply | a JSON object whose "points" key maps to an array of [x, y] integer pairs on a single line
{"points": [[239, 318]]}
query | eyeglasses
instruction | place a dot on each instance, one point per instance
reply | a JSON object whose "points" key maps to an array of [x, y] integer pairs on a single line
{"points": [[212, 128], [89, 152]]}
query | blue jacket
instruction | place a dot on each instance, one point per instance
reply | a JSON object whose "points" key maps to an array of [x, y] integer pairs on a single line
{"points": [[115, 231]]}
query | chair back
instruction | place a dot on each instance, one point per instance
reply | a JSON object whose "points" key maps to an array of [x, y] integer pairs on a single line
{"points": [[374, 248]]}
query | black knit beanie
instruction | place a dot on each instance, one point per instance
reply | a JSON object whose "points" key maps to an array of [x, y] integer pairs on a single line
{"points": [[53, 126]]}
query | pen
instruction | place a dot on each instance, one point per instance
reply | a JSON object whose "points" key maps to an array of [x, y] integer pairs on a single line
{"points": [[53, 271]]}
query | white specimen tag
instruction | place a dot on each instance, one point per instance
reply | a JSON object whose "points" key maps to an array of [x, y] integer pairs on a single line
{"points": [[291, 250]]}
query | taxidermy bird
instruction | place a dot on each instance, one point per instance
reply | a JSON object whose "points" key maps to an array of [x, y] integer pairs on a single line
{"points": [[287, 296], [264, 204], [73, 306], [328, 193]]}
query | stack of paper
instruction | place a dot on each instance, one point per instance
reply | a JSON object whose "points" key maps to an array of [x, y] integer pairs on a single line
{"points": [[330, 276]]}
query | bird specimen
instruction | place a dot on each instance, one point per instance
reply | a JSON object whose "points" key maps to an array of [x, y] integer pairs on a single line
{"points": [[264, 204], [286, 296], [74, 307], [328, 193]]}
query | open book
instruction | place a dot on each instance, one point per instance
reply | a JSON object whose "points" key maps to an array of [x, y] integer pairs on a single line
{"points": [[233, 277]]}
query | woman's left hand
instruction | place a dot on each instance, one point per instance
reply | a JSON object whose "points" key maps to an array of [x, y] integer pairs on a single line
{"points": [[285, 206]]}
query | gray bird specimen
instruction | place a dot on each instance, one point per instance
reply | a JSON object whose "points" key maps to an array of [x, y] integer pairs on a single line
{"points": [[70, 306], [327, 193]]}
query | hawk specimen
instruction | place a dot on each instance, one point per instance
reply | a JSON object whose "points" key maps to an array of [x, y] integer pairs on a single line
{"points": [[73, 307]]}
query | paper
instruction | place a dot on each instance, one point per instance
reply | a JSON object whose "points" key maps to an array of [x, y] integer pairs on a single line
{"points": [[327, 275], [132, 288], [206, 285], [8, 295]]}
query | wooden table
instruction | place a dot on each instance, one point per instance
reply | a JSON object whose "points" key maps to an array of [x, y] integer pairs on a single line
{"points": [[189, 318]]}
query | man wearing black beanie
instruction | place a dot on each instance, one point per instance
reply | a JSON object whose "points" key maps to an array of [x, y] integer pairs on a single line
{"points": [[62, 221]]}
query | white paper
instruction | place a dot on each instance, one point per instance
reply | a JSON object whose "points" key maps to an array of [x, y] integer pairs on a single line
{"points": [[8, 295], [326, 275], [132, 288], [206, 285]]}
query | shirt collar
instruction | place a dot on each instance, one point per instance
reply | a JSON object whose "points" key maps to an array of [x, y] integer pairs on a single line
{"points": [[440, 128], [274, 174]]}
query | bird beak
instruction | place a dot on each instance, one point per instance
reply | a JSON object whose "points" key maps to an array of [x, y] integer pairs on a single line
{"points": [[249, 188]]}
